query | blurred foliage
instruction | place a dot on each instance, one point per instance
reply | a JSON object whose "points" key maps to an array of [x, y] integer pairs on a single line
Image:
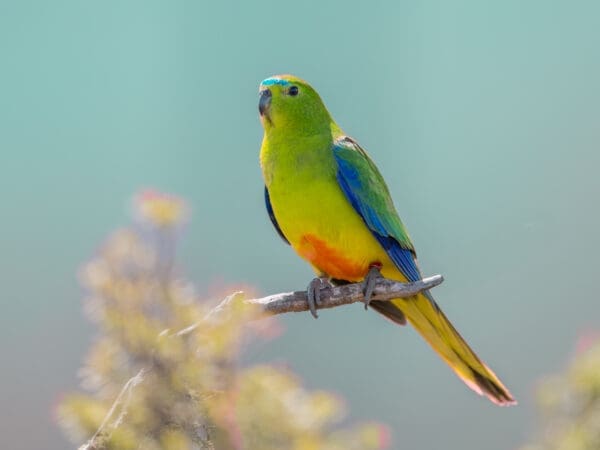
{"points": [[569, 403], [190, 391]]}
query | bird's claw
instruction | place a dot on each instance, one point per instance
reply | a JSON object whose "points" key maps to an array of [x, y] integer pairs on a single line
{"points": [[313, 292], [370, 282]]}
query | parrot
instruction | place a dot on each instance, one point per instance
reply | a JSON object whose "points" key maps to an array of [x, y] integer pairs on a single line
{"points": [[327, 200]]}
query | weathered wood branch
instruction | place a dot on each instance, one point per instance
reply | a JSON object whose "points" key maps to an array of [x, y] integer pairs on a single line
{"points": [[332, 297], [282, 303]]}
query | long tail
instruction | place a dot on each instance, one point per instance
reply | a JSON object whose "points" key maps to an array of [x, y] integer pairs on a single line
{"points": [[429, 320]]}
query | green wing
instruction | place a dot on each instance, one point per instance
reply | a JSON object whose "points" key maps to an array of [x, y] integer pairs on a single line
{"points": [[366, 190]]}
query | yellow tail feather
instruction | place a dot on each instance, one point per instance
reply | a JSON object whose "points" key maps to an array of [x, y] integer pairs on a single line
{"points": [[429, 320]]}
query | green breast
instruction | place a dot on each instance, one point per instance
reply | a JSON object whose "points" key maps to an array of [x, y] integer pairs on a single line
{"points": [[300, 175], [307, 201]]}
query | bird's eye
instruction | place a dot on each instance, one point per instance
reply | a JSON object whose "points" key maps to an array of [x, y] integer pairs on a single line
{"points": [[293, 91]]}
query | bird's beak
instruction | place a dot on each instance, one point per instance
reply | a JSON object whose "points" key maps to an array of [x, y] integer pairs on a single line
{"points": [[264, 103]]}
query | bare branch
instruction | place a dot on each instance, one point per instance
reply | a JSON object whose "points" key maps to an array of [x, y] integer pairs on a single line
{"points": [[332, 297]]}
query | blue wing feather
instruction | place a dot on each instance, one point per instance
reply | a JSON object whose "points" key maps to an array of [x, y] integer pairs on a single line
{"points": [[361, 189]]}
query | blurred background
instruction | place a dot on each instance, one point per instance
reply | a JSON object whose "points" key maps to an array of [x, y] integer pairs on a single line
{"points": [[482, 117]]}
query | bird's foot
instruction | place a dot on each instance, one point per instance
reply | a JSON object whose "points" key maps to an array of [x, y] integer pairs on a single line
{"points": [[370, 282], [313, 292]]}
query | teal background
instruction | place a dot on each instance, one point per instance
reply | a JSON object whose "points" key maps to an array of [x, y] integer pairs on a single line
{"points": [[483, 117]]}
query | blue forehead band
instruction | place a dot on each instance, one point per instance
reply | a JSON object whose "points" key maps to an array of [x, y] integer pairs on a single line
{"points": [[272, 81]]}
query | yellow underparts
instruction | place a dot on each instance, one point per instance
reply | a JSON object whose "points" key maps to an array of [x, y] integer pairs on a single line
{"points": [[325, 230]]}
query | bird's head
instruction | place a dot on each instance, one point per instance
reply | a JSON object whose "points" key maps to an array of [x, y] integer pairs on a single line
{"points": [[289, 103]]}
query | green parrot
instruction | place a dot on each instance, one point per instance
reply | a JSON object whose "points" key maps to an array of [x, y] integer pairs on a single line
{"points": [[327, 200]]}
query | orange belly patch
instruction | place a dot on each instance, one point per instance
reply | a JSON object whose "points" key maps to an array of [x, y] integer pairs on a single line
{"points": [[329, 260]]}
